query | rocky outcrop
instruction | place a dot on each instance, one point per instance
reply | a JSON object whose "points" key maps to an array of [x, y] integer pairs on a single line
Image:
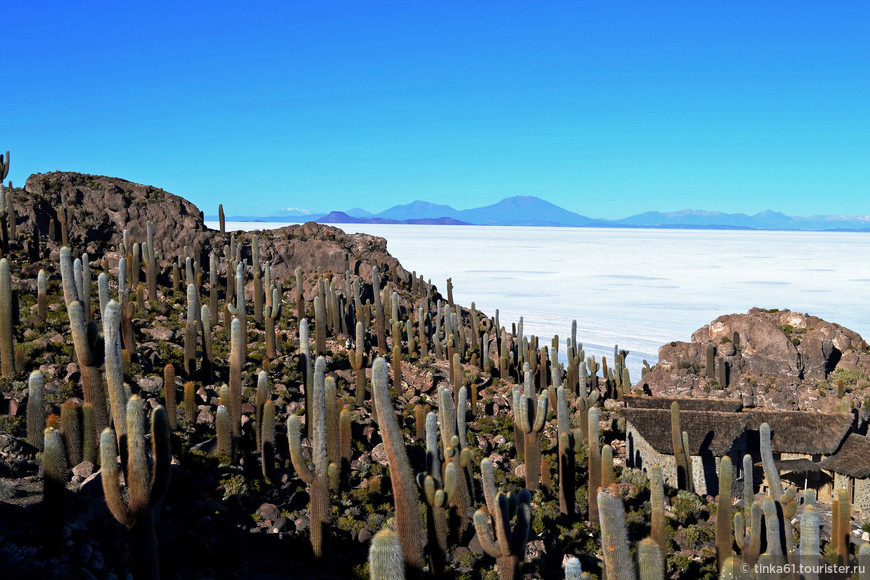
{"points": [[102, 207], [780, 359]]}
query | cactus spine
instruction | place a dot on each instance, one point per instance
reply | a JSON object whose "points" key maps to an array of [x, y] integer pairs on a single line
{"points": [[36, 410], [614, 537], [385, 557], [408, 524], [146, 485]]}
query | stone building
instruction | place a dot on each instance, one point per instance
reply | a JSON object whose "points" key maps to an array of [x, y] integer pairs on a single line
{"points": [[850, 469]]}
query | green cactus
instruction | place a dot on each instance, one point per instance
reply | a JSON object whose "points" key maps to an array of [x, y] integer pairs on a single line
{"points": [[438, 494], [385, 557], [724, 533], [300, 297], [711, 367], [71, 429], [379, 312], [318, 477], [532, 418], [650, 563], [844, 526], [272, 314], [658, 526], [89, 351], [146, 481], [223, 433], [568, 442], [594, 454], [193, 313], [7, 346], [151, 264], [809, 548], [748, 538], [115, 368], [455, 445], [89, 435], [36, 410], [267, 439], [771, 524], [319, 327], [358, 362], [190, 401], [236, 364], [771, 473], [614, 536], [408, 524], [54, 468], [607, 475], [681, 453], [41, 295], [241, 307], [509, 541]]}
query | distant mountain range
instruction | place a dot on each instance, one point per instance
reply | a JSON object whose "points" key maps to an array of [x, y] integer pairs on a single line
{"points": [[534, 211]]}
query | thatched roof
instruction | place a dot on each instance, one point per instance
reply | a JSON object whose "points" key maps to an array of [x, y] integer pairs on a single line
{"points": [[800, 431], [853, 458], [685, 403], [709, 431], [796, 465]]}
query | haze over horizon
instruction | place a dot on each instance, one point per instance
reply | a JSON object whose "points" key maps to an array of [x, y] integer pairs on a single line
{"points": [[606, 111]]}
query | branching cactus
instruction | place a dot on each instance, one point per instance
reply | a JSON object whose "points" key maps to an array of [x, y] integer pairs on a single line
{"points": [[272, 313], [438, 494], [532, 418], [771, 473], [358, 362], [748, 537], [614, 536], [509, 541], [146, 481], [317, 477], [115, 369], [90, 354], [408, 523], [568, 441], [455, 445]]}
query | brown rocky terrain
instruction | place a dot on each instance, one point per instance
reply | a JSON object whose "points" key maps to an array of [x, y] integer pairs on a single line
{"points": [[223, 517], [773, 358]]}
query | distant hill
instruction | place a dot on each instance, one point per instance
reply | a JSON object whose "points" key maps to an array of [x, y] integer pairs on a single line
{"points": [[339, 217], [525, 211], [765, 220], [418, 210]]}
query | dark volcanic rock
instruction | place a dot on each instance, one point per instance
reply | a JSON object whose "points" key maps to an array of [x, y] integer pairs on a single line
{"points": [[103, 207]]}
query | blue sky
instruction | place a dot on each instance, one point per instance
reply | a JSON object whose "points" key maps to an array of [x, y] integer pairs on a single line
{"points": [[605, 110]]}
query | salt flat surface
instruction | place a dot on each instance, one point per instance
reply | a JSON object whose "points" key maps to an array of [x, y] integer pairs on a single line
{"points": [[638, 288]]}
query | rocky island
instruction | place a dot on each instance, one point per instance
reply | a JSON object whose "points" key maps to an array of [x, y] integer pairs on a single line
{"points": [[293, 403]]}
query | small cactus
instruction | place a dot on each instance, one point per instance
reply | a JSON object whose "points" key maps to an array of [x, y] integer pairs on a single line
{"points": [[36, 410], [385, 557]]}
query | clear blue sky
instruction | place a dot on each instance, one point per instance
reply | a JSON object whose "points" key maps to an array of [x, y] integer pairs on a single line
{"points": [[605, 110]]}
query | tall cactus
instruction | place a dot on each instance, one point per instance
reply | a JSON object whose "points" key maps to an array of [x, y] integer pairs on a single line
{"points": [[379, 314], [88, 349], [236, 364], [146, 481], [318, 477], [7, 346], [36, 410], [408, 524], [568, 441], [41, 295], [724, 537], [771, 473], [594, 455], [658, 527], [809, 548], [319, 327], [54, 468], [681, 454], [358, 362], [614, 536]]}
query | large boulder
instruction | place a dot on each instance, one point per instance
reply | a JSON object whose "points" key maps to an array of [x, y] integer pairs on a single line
{"points": [[774, 358]]}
